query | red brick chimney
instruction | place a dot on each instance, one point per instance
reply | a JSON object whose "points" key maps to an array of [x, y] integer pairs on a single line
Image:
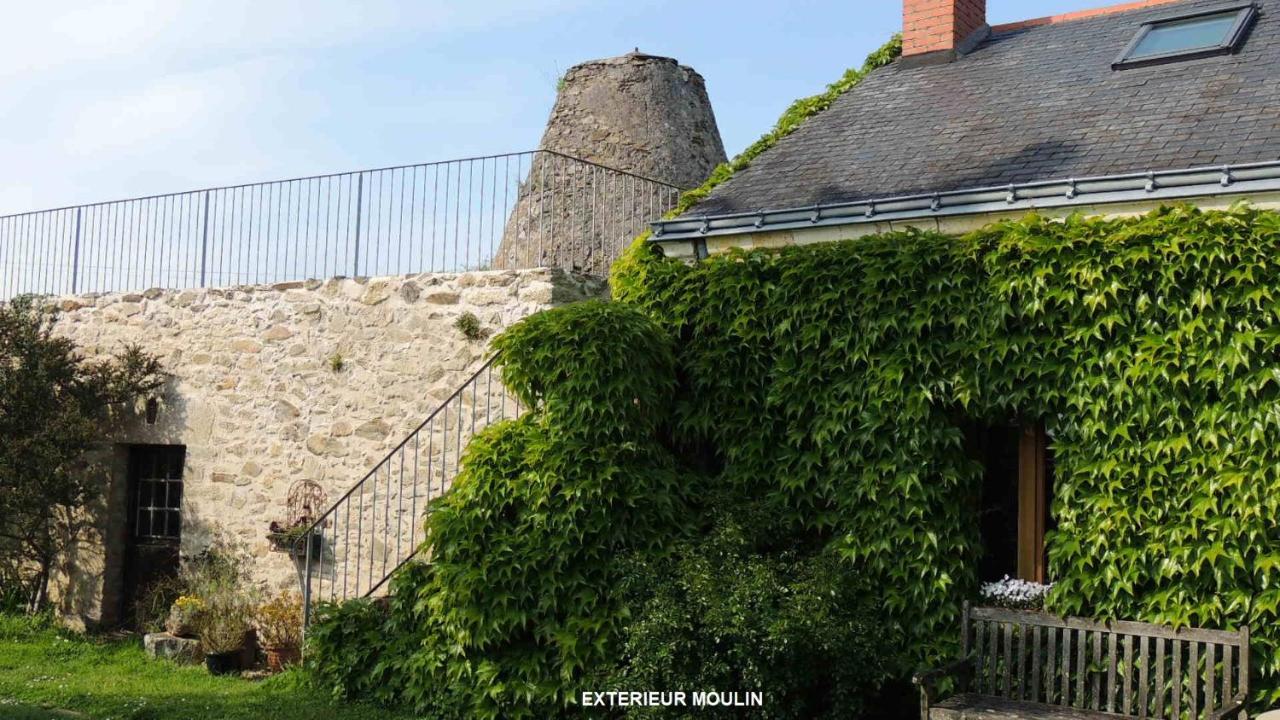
{"points": [[938, 30]]}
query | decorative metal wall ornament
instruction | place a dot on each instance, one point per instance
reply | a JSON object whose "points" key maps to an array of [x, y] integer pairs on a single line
{"points": [[306, 500]]}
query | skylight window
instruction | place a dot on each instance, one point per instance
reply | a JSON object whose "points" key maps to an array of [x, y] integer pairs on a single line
{"points": [[1216, 31]]}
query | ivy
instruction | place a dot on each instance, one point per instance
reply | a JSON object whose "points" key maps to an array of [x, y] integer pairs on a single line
{"points": [[516, 607], [813, 400], [835, 381]]}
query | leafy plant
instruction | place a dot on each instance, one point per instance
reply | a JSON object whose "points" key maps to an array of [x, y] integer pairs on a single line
{"points": [[279, 621], [218, 577], [833, 380], [821, 396], [516, 610], [336, 362], [717, 612], [53, 403], [469, 325]]}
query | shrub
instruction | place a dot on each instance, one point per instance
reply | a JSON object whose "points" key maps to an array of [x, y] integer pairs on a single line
{"points": [[720, 614], [52, 406], [279, 621], [218, 577], [516, 609], [153, 605]]}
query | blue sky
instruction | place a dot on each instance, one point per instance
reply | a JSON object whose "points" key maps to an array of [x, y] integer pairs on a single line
{"points": [[102, 100]]}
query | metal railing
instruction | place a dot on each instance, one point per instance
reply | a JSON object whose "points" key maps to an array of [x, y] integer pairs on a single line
{"points": [[528, 209], [376, 527]]}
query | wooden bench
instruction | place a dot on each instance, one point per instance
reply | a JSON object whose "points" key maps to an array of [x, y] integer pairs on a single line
{"points": [[1020, 664]]}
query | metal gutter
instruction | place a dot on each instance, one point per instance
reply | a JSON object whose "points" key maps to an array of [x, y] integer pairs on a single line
{"points": [[1104, 189]]}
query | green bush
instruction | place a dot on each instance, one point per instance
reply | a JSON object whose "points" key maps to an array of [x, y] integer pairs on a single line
{"points": [[54, 404], [516, 609], [718, 613]]}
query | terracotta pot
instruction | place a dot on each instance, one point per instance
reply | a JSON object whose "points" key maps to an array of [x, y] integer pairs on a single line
{"points": [[278, 658], [223, 663]]}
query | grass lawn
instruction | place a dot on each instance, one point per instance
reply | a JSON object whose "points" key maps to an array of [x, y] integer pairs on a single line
{"points": [[47, 674]]}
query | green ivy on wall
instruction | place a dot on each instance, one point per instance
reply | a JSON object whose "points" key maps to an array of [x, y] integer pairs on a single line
{"points": [[516, 606], [816, 399], [835, 380]]}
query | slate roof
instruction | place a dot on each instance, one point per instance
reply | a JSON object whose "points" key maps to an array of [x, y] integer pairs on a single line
{"points": [[1038, 103]]}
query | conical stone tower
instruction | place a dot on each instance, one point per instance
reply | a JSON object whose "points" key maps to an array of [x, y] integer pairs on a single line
{"points": [[645, 115]]}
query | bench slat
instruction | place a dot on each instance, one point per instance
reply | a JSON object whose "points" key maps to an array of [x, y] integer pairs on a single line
{"points": [[979, 655], [1008, 659], [1226, 674], [1211, 659], [1050, 666], [1066, 667], [1111, 672], [1037, 632], [1095, 678], [1143, 676], [1159, 709], [1082, 642], [1127, 706], [1193, 674], [1178, 649], [993, 652], [1024, 650]]}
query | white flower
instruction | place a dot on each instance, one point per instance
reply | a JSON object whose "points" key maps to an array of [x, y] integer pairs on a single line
{"points": [[1012, 593]]}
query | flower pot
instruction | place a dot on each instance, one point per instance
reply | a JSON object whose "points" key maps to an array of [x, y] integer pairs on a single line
{"points": [[223, 663], [294, 544], [278, 658]]}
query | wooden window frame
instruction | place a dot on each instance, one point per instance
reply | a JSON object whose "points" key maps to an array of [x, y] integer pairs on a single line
{"points": [[1033, 502]]}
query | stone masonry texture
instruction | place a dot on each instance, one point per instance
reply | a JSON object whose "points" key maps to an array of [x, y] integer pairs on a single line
{"points": [[259, 405], [639, 113]]}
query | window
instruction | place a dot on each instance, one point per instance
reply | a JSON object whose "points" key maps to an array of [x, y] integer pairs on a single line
{"points": [[1014, 509], [1211, 32], [156, 480]]}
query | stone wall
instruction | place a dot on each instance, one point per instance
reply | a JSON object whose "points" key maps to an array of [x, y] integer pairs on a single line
{"points": [[638, 113], [274, 384]]}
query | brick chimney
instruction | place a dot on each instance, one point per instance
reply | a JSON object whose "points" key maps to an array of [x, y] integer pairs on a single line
{"points": [[938, 30]]}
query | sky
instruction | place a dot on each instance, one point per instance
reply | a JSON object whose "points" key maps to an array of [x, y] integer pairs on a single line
{"points": [[102, 101]]}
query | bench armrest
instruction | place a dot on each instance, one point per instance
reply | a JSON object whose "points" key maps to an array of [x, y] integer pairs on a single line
{"points": [[1229, 711], [927, 681]]}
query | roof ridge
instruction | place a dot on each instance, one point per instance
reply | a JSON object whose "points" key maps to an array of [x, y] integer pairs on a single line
{"points": [[1079, 15]]}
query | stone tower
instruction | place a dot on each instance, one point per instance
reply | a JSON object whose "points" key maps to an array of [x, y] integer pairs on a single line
{"points": [[642, 114]]}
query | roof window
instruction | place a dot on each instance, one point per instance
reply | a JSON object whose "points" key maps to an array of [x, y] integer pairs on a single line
{"points": [[1215, 31]]}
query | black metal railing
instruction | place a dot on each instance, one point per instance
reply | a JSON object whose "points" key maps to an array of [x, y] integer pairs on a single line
{"points": [[352, 549], [528, 209]]}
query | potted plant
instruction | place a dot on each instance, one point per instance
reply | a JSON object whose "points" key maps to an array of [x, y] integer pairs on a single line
{"points": [[288, 538], [279, 624], [183, 614], [222, 627]]}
